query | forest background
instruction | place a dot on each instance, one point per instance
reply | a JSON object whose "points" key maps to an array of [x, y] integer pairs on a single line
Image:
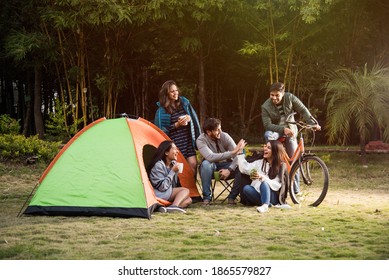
{"points": [[66, 63]]}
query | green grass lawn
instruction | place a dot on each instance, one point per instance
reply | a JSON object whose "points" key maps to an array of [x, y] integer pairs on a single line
{"points": [[352, 223]]}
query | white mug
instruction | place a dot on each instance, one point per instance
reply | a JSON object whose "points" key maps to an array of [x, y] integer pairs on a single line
{"points": [[182, 117], [180, 167]]}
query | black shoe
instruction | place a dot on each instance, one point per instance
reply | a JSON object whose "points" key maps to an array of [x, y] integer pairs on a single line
{"points": [[231, 201], [206, 202], [161, 209]]}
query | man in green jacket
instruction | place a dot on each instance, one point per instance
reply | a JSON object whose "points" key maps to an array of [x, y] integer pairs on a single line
{"points": [[275, 110]]}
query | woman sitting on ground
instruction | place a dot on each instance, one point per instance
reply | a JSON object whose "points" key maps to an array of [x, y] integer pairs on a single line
{"points": [[163, 175], [269, 178]]}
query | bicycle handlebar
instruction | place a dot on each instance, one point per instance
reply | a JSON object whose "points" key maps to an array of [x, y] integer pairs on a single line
{"points": [[302, 125]]}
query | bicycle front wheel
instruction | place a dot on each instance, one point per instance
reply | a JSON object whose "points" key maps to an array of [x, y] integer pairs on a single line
{"points": [[309, 181]]}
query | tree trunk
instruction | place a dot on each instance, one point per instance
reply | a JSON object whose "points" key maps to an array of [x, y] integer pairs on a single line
{"points": [[38, 101], [145, 89], [8, 98], [27, 119], [247, 117], [91, 113], [27, 125], [274, 43], [201, 88], [362, 144], [135, 110], [21, 108], [83, 84]]}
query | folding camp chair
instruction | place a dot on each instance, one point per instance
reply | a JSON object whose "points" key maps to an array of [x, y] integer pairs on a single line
{"points": [[226, 185]]}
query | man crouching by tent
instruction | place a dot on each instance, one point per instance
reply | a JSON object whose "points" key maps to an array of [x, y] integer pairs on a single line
{"points": [[163, 173]]}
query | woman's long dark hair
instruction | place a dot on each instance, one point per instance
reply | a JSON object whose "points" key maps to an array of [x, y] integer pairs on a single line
{"points": [[159, 154], [164, 100], [277, 152]]}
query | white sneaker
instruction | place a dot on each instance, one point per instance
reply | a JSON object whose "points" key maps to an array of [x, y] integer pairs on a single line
{"points": [[262, 209], [174, 208], [282, 206]]}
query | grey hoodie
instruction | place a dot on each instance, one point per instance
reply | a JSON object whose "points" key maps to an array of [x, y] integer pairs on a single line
{"points": [[163, 180], [208, 150]]}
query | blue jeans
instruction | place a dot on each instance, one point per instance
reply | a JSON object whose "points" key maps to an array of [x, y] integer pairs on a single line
{"points": [[239, 181], [206, 173], [290, 147], [267, 195]]}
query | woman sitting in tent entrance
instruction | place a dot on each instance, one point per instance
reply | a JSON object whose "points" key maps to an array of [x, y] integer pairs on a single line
{"points": [[163, 174]]}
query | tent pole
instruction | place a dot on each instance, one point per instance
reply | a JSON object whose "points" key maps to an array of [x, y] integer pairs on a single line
{"points": [[28, 198]]}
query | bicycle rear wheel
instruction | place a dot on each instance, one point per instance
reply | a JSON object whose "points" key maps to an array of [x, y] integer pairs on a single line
{"points": [[314, 180]]}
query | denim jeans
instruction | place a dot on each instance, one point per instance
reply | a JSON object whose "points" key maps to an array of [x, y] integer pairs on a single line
{"points": [[267, 195], [239, 181], [206, 173], [290, 147]]}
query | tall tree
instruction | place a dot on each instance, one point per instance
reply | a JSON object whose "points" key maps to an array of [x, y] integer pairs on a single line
{"points": [[31, 48], [279, 29], [75, 23]]}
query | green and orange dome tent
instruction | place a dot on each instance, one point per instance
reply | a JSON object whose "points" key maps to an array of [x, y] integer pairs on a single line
{"points": [[101, 172]]}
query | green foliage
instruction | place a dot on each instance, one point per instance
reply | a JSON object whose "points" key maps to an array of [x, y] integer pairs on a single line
{"points": [[9, 125], [247, 151], [130, 47], [55, 124], [252, 49], [19, 44], [310, 10], [190, 43], [18, 147], [357, 101], [326, 158], [72, 14]]}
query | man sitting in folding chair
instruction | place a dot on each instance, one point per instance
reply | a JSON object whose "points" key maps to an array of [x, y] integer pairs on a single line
{"points": [[219, 152]]}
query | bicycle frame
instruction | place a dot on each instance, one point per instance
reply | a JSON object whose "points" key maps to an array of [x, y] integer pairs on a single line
{"points": [[297, 154], [300, 151]]}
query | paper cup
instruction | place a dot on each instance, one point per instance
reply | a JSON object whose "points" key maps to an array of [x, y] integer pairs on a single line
{"points": [[183, 117], [253, 173], [180, 167], [216, 175]]}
